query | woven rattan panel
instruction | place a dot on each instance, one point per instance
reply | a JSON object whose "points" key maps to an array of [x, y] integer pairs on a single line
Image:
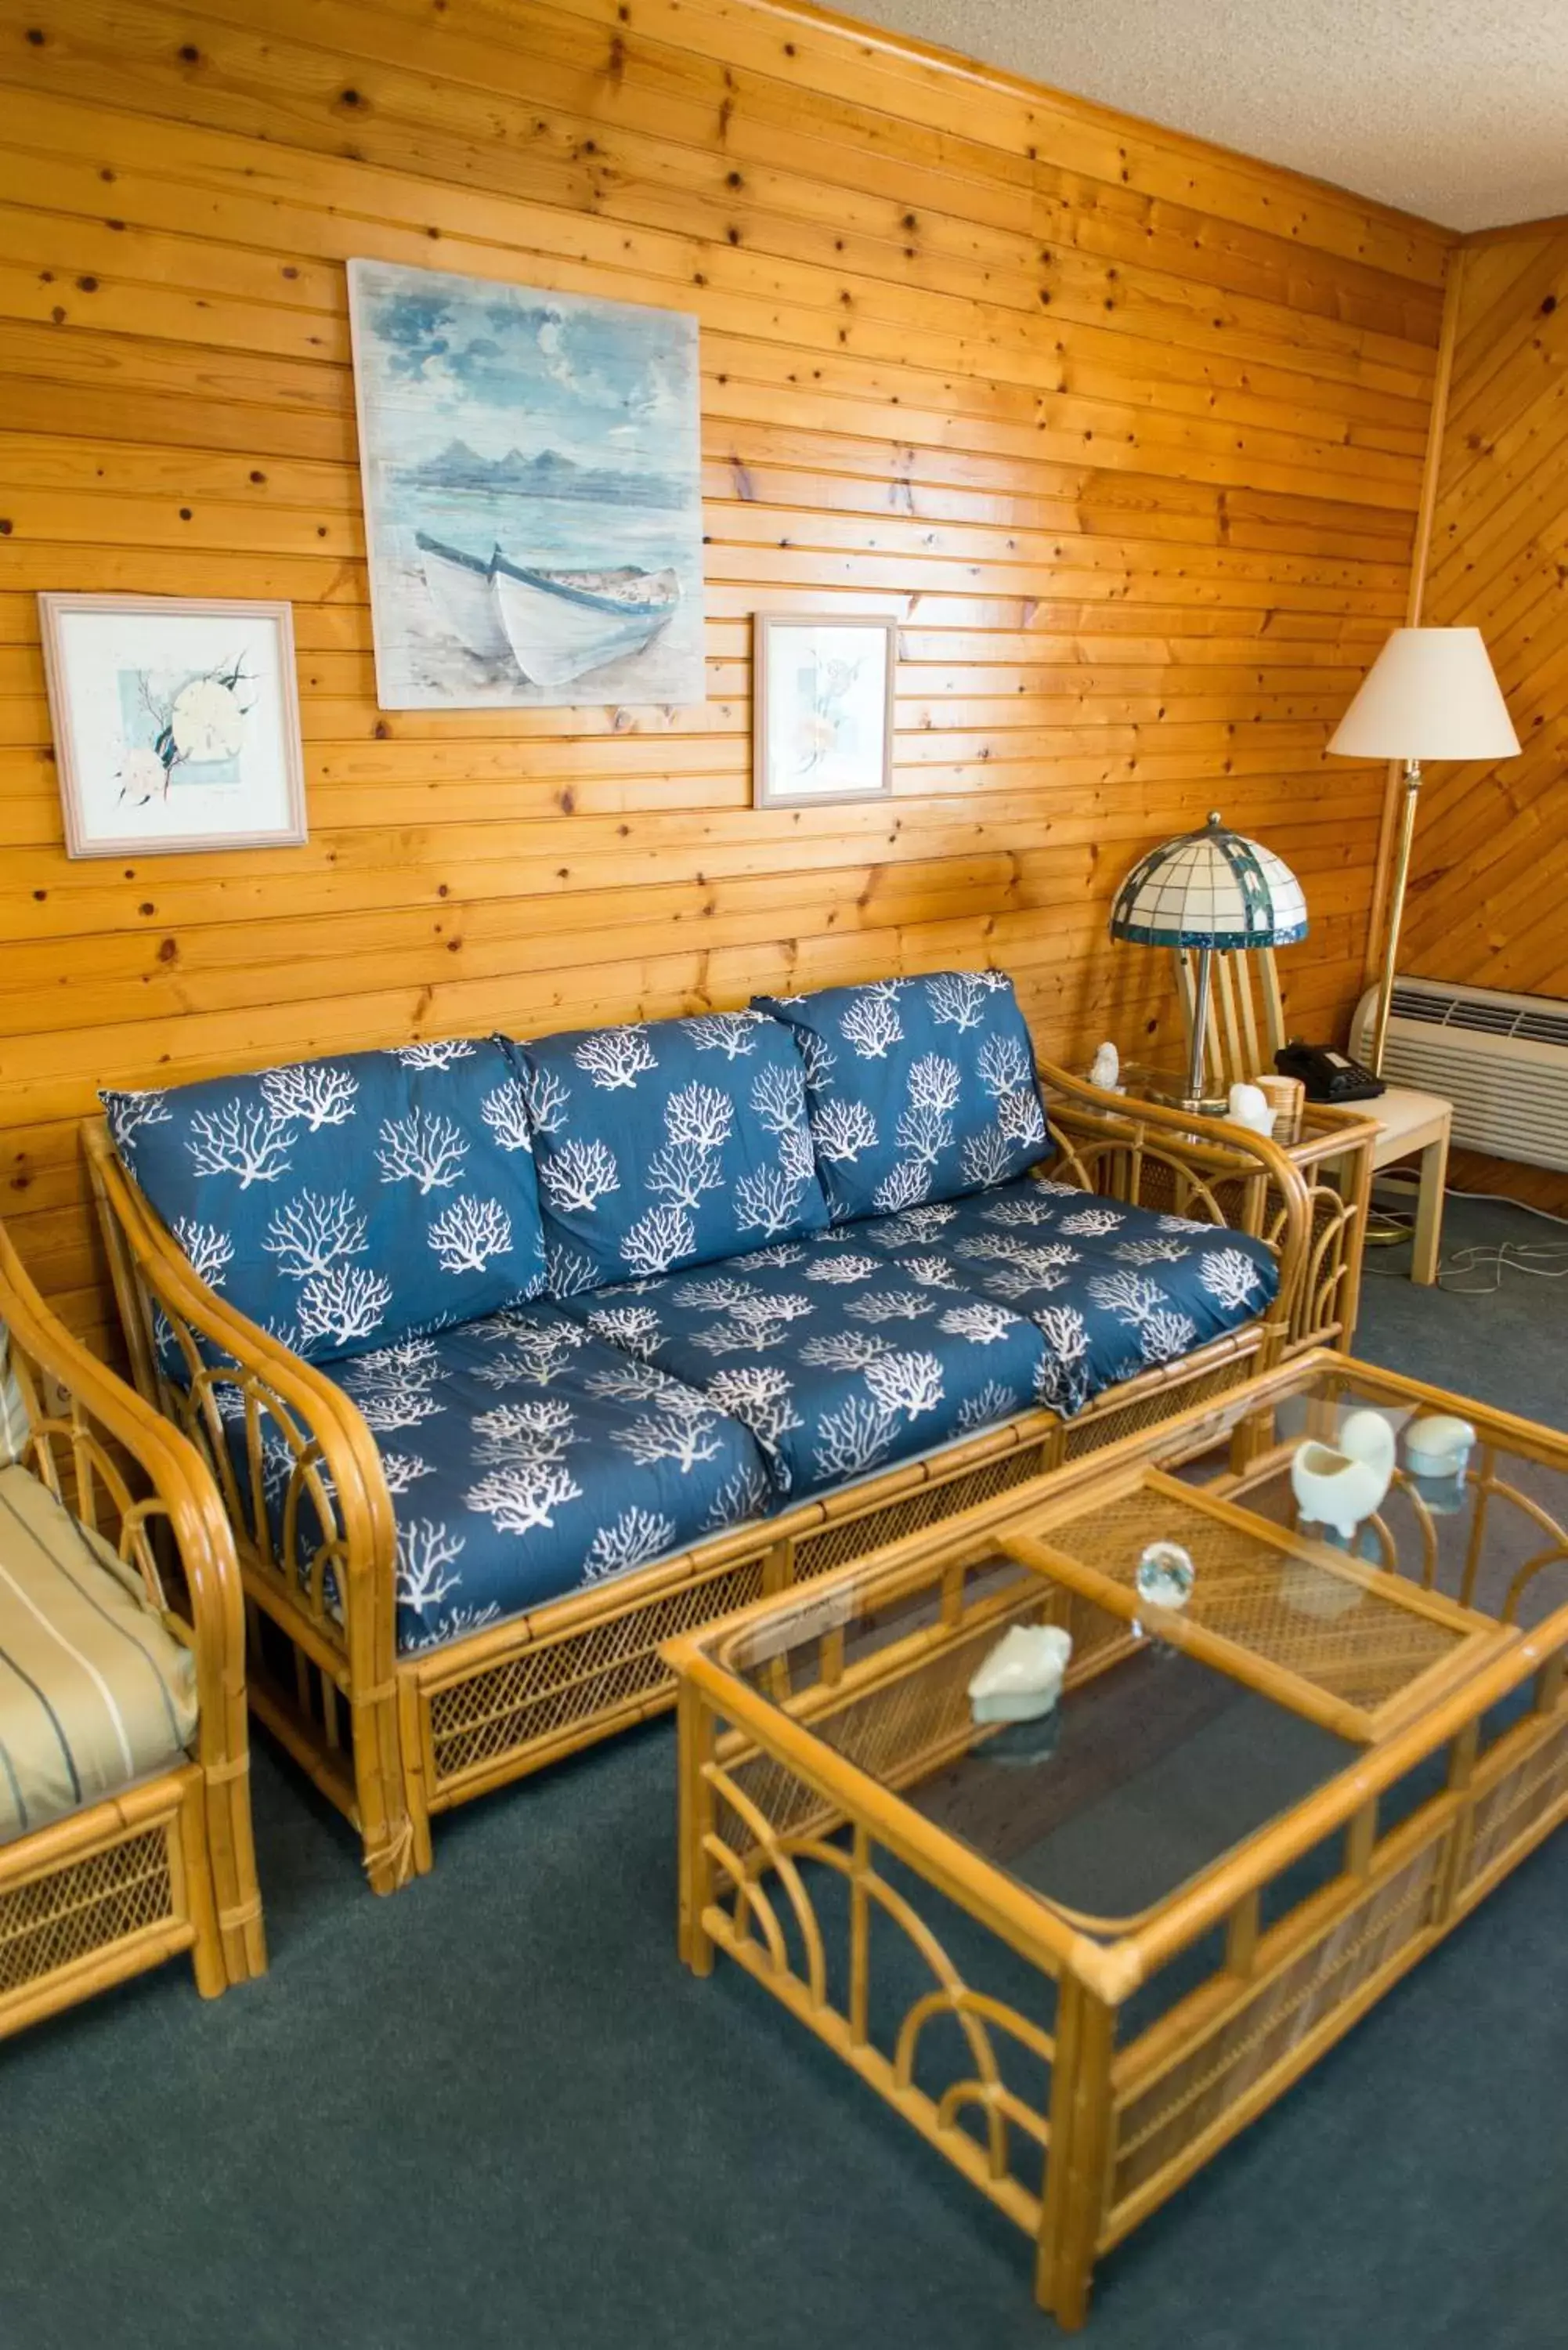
{"points": [[1220, 2069], [1248, 1591], [1506, 1813], [1159, 1190], [853, 1537], [595, 1674], [885, 1732], [88, 1905], [1087, 1435]]}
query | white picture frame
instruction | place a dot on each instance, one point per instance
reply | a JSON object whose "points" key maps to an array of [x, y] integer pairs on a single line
{"points": [[176, 723], [823, 720]]}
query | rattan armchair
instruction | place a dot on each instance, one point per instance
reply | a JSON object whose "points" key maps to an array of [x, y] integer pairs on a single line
{"points": [[392, 1740], [167, 1864]]}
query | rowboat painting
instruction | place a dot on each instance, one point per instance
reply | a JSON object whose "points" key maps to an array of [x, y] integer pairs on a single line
{"points": [[556, 626], [532, 493]]}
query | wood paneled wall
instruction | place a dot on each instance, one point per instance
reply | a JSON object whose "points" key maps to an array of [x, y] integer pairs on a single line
{"points": [[1491, 856], [1127, 433]]}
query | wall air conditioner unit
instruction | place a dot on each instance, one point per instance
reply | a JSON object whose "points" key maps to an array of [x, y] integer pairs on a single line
{"points": [[1502, 1060]]}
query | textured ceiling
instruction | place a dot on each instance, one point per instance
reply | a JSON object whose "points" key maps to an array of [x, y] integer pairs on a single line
{"points": [[1457, 109]]}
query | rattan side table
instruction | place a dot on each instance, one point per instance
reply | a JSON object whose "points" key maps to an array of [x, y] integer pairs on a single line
{"points": [[1331, 1150]]}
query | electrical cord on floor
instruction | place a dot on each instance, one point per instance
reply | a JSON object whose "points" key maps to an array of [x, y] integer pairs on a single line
{"points": [[1541, 1261]]}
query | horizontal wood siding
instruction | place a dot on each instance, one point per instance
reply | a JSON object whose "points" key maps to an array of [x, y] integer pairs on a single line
{"points": [[1491, 859], [1127, 432]]}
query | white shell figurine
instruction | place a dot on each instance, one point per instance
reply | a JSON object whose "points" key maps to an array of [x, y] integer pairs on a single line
{"points": [[1022, 1676], [1438, 1449], [1106, 1068], [1339, 1485], [1249, 1107]]}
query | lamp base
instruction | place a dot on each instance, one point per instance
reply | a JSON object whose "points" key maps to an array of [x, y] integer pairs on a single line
{"points": [[1172, 1090]]}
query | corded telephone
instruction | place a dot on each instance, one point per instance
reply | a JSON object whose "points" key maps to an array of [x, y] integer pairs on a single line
{"points": [[1328, 1076]]}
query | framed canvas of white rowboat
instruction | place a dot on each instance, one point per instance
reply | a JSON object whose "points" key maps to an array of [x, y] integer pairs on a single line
{"points": [[533, 507]]}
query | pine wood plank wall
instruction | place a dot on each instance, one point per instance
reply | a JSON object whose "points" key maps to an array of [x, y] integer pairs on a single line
{"points": [[1491, 859], [1127, 432]]}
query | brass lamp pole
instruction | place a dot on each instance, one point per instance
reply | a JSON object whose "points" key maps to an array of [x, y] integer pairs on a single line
{"points": [[1412, 793], [1430, 695]]}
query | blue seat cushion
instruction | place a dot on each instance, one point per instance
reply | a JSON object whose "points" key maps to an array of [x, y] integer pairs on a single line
{"points": [[527, 1459], [839, 1358], [667, 1143], [917, 1088], [348, 1203], [1114, 1290]]}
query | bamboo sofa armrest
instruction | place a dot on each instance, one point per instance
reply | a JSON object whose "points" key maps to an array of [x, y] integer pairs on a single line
{"points": [[85, 1427], [1201, 1154], [345, 1590]]}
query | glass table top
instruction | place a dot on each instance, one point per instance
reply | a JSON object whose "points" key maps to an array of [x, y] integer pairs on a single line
{"points": [[1177, 1736], [1151, 1765]]}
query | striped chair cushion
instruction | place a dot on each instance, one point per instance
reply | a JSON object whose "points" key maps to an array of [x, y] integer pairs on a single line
{"points": [[93, 1691], [12, 1410]]}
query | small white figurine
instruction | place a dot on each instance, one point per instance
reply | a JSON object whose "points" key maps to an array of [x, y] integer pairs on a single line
{"points": [[1022, 1676], [1439, 1445], [1249, 1107], [1339, 1485], [1106, 1068], [1438, 1449]]}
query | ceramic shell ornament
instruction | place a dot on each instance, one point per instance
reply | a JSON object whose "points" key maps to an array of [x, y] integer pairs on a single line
{"points": [[1106, 1068], [1438, 1449], [1248, 1105], [1022, 1676], [1339, 1485]]}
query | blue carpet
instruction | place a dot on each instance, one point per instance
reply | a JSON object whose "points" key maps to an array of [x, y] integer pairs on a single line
{"points": [[495, 2111]]}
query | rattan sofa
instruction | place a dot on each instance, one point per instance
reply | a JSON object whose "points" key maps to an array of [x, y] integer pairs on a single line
{"points": [[165, 1863], [393, 1739]]}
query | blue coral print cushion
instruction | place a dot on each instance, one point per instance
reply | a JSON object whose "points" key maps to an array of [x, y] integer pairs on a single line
{"points": [[524, 1458], [917, 1089], [346, 1203], [667, 1144]]}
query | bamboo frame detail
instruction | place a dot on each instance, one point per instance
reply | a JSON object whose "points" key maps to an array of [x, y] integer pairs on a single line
{"points": [[168, 1865], [392, 1741], [797, 1744]]}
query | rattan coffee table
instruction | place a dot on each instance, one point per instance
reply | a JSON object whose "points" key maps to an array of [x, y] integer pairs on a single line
{"points": [[1080, 1953]]}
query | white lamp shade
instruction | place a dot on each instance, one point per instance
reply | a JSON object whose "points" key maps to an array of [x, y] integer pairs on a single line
{"points": [[1430, 695]]}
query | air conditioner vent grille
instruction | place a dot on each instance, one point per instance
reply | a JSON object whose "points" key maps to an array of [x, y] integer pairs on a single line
{"points": [[1493, 1019], [1543, 1028], [1500, 1059], [1409, 1005], [1536, 1018]]}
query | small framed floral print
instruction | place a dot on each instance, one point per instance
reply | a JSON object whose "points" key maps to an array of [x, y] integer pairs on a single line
{"points": [[176, 723], [823, 728]]}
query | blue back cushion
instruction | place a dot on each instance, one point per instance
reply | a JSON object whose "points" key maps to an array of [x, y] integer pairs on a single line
{"points": [[667, 1144], [917, 1088], [346, 1203]]}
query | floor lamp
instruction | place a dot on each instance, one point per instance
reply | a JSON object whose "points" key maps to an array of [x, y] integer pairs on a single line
{"points": [[1430, 695]]}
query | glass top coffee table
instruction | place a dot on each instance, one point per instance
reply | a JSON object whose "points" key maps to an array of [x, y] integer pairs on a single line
{"points": [[1079, 1944]]}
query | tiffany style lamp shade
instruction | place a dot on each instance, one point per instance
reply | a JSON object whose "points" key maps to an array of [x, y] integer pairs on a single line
{"points": [[1211, 890]]}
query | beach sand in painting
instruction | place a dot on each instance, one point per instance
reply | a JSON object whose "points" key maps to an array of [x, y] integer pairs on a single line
{"points": [[446, 671]]}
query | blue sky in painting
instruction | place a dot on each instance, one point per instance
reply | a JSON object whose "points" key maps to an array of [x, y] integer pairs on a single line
{"points": [[501, 368]]}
